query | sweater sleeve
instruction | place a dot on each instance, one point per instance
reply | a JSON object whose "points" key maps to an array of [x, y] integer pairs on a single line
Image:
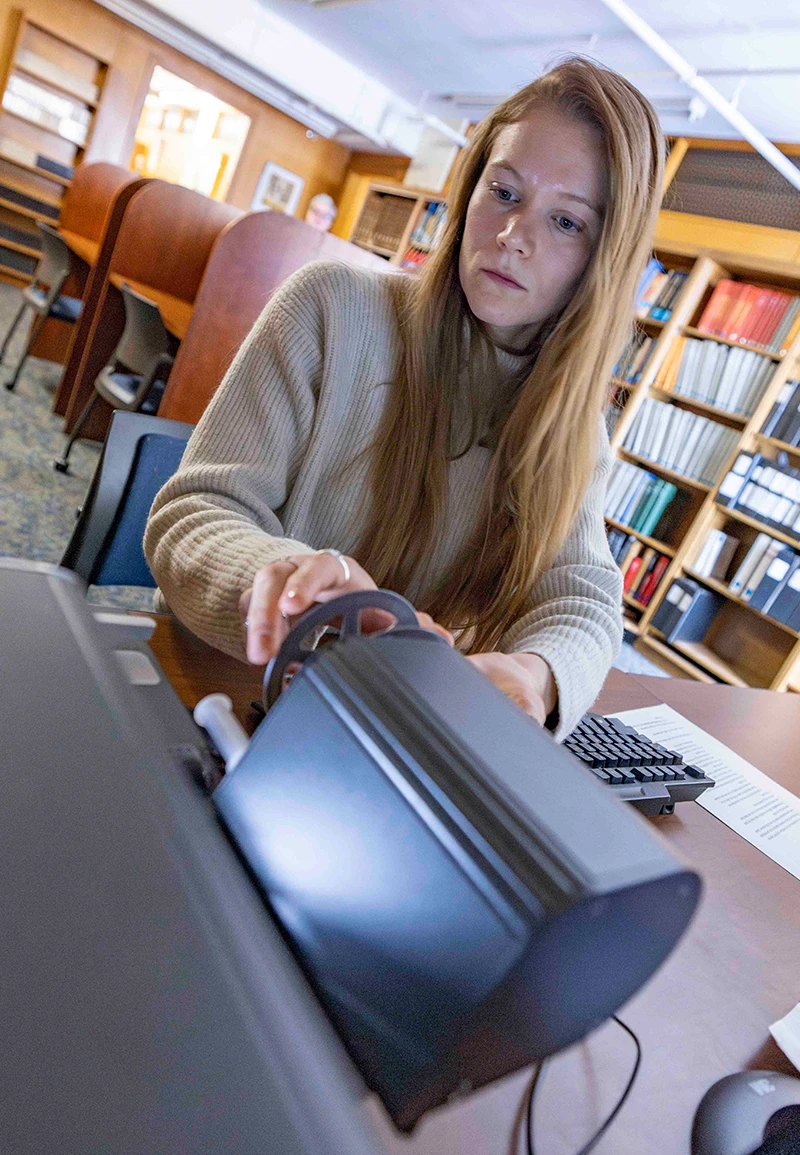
{"points": [[575, 622], [214, 522]]}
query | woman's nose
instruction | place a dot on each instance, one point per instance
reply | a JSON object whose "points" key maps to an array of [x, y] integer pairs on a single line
{"points": [[516, 237]]}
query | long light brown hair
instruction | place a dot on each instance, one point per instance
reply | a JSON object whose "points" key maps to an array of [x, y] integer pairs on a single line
{"points": [[548, 443]]}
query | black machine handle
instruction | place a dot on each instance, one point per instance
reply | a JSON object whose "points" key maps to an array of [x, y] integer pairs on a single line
{"points": [[349, 608]]}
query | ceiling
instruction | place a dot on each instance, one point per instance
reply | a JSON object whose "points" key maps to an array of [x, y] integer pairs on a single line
{"points": [[470, 48]]}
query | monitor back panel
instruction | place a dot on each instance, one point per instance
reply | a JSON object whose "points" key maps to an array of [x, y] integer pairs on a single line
{"points": [[148, 1002]]}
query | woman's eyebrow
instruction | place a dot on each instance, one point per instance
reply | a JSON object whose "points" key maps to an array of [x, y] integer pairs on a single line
{"points": [[580, 200], [509, 168], [505, 165]]}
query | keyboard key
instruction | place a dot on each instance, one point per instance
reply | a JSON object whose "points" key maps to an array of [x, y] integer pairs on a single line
{"points": [[694, 771]]}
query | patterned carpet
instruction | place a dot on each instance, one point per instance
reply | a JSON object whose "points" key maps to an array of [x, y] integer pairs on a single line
{"points": [[38, 505]]}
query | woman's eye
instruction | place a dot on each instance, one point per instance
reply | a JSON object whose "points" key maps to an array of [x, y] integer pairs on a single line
{"points": [[567, 224], [504, 195]]}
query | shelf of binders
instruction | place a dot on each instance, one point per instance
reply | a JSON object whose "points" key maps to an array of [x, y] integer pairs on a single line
{"points": [[733, 386], [725, 591]]}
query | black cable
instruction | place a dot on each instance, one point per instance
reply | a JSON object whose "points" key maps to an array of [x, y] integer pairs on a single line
{"points": [[600, 1132]]}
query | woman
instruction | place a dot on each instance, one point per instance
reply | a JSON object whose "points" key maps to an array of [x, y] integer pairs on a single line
{"points": [[444, 432]]}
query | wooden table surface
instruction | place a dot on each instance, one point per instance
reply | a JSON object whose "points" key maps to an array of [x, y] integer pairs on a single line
{"points": [[705, 1014], [175, 312]]}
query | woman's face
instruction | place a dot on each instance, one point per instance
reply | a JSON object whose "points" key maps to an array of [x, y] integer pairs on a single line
{"points": [[532, 223]]}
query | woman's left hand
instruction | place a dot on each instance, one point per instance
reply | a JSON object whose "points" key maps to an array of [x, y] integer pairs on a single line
{"points": [[525, 678]]}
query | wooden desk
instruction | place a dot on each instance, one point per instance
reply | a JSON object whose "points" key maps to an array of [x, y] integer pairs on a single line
{"points": [[85, 212], [195, 669], [90, 220], [704, 1015], [162, 247], [84, 248], [175, 313], [251, 258]]}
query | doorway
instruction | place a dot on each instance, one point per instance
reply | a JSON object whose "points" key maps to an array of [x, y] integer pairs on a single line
{"points": [[188, 136]]}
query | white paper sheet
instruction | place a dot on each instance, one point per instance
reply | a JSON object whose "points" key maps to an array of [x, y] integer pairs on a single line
{"points": [[786, 1033], [745, 799]]}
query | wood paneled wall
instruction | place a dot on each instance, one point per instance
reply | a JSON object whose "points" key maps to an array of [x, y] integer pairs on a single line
{"points": [[132, 55], [379, 164]]}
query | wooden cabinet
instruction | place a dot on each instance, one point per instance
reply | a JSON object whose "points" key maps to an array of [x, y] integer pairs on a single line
{"points": [[400, 224], [48, 106]]}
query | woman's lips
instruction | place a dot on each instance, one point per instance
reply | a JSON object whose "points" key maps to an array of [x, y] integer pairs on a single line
{"points": [[500, 279]]}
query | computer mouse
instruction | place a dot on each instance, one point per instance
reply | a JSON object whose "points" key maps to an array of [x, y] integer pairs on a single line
{"points": [[734, 1114]]}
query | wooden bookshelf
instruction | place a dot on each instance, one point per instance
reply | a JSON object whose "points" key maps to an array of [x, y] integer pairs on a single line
{"points": [[670, 474], [689, 331], [683, 401], [388, 221], [47, 112], [780, 446], [649, 541], [726, 592], [743, 646]]}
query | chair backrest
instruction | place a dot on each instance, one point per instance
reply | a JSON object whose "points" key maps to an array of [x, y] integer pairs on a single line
{"points": [[140, 454], [145, 340], [55, 262]]}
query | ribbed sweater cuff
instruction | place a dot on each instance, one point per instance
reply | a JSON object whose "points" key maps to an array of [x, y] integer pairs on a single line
{"points": [[578, 669]]}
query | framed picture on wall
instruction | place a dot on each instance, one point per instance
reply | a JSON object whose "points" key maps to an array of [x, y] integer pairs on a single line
{"points": [[277, 188]]}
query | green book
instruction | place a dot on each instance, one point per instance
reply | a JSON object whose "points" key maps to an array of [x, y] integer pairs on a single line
{"points": [[647, 504], [643, 502], [653, 517]]}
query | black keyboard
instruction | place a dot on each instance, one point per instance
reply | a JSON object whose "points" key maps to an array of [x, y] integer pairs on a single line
{"points": [[639, 771]]}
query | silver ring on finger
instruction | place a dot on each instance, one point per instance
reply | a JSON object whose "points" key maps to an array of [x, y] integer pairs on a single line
{"points": [[342, 560]]}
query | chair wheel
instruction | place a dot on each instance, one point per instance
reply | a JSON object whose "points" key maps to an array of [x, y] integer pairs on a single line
{"points": [[60, 465]]}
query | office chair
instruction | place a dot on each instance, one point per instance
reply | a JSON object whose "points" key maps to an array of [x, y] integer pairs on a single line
{"points": [[140, 454], [43, 294], [140, 363]]}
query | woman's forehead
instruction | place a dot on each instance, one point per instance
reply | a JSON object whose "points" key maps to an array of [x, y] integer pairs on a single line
{"points": [[551, 149]]}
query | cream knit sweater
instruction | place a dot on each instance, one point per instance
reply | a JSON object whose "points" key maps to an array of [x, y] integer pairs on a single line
{"points": [[260, 480]]}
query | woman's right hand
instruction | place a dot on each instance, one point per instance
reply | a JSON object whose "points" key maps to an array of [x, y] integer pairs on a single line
{"points": [[282, 591]]}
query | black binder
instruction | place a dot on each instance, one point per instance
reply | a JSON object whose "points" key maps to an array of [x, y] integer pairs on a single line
{"points": [[787, 597], [694, 622], [778, 573]]}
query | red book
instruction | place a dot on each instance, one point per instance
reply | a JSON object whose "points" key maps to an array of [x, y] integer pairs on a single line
{"points": [[631, 573], [738, 314], [650, 584], [718, 306], [780, 303], [758, 322]]}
